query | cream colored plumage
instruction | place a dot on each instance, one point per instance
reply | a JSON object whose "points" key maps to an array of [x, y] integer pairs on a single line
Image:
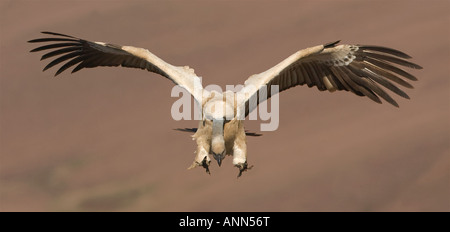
{"points": [[356, 68]]}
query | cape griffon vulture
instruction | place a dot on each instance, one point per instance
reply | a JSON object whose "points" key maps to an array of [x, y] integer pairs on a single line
{"points": [[360, 69]]}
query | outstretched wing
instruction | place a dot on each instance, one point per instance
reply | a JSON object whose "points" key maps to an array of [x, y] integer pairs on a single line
{"points": [[357, 68], [88, 54]]}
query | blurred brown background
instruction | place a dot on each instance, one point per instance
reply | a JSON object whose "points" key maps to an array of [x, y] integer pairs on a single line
{"points": [[103, 139]]}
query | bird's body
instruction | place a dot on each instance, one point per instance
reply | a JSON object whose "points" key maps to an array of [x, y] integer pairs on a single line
{"points": [[355, 68], [221, 132]]}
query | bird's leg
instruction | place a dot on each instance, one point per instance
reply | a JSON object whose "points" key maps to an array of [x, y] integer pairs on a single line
{"points": [[202, 155], [243, 167], [205, 164], [240, 152]]}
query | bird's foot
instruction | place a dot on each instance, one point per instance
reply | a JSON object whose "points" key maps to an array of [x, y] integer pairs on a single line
{"points": [[205, 164], [243, 167]]}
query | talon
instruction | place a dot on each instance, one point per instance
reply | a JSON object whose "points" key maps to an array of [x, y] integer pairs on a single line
{"points": [[243, 167], [205, 165]]}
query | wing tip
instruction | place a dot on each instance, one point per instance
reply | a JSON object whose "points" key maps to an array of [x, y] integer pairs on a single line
{"points": [[57, 34], [416, 66], [331, 44], [394, 103]]}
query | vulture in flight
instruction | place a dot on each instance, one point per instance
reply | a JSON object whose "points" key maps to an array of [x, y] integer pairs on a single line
{"points": [[361, 69]]}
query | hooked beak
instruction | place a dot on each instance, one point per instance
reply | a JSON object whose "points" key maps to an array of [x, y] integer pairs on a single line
{"points": [[218, 158]]}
